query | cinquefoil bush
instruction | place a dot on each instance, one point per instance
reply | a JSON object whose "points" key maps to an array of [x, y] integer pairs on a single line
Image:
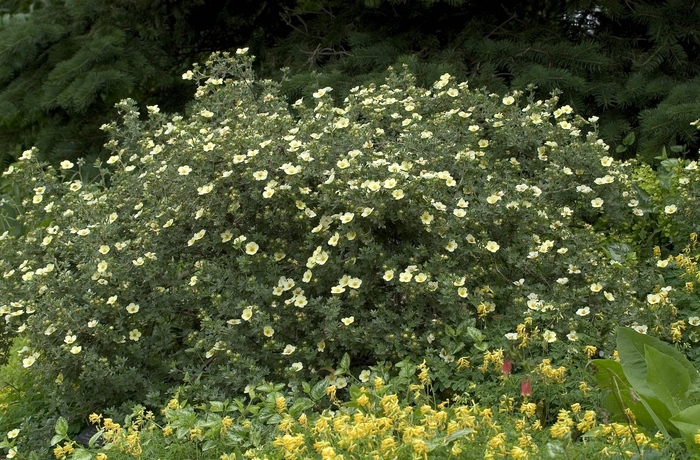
{"points": [[253, 240]]}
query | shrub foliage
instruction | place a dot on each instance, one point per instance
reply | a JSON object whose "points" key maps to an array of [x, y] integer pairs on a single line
{"points": [[256, 241]]}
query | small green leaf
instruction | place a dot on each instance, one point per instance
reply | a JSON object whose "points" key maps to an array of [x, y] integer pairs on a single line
{"points": [[62, 427], [319, 390], [81, 454], [56, 439], [555, 450], [345, 362], [475, 334], [208, 445], [95, 437], [458, 434], [266, 388], [629, 139], [300, 405], [216, 406]]}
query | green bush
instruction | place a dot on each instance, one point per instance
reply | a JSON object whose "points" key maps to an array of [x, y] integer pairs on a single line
{"points": [[256, 241]]}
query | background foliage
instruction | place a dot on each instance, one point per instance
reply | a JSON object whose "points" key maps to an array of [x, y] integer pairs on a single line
{"points": [[63, 64]]}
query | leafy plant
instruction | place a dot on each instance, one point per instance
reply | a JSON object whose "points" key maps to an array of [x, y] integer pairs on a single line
{"points": [[653, 385]]}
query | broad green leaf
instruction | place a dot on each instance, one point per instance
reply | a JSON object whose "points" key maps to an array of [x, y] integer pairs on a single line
{"points": [[620, 395], [630, 347], [668, 379], [629, 139], [688, 423], [659, 413]]}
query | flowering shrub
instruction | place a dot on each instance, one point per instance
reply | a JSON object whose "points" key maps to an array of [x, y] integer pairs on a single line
{"points": [[254, 241]]}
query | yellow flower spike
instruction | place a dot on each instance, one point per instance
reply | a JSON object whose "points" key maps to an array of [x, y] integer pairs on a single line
{"points": [[303, 420], [388, 445], [58, 452], [330, 391], [590, 350], [101, 456], [419, 446], [95, 418], [378, 383], [286, 424], [281, 404], [525, 441], [363, 400], [463, 363]]}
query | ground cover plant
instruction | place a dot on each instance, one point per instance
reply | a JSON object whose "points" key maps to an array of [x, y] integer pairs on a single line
{"points": [[491, 237]]}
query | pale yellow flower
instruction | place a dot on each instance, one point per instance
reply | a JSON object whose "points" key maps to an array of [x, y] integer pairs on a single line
{"points": [[492, 246], [289, 349], [348, 321]]}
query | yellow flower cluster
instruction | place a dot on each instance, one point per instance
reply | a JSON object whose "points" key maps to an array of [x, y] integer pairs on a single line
{"points": [[551, 374]]}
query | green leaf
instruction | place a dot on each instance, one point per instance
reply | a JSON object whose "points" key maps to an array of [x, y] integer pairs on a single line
{"points": [[319, 390], [300, 405], [62, 427], [555, 450], [61, 431], [265, 388], [630, 347], [216, 406], [208, 445], [629, 139], [667, 379], [620, 395], [688, 423], [81, 454], [95, 437], [475, 334], [458, 434], [345, 362], [56, 439]]}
